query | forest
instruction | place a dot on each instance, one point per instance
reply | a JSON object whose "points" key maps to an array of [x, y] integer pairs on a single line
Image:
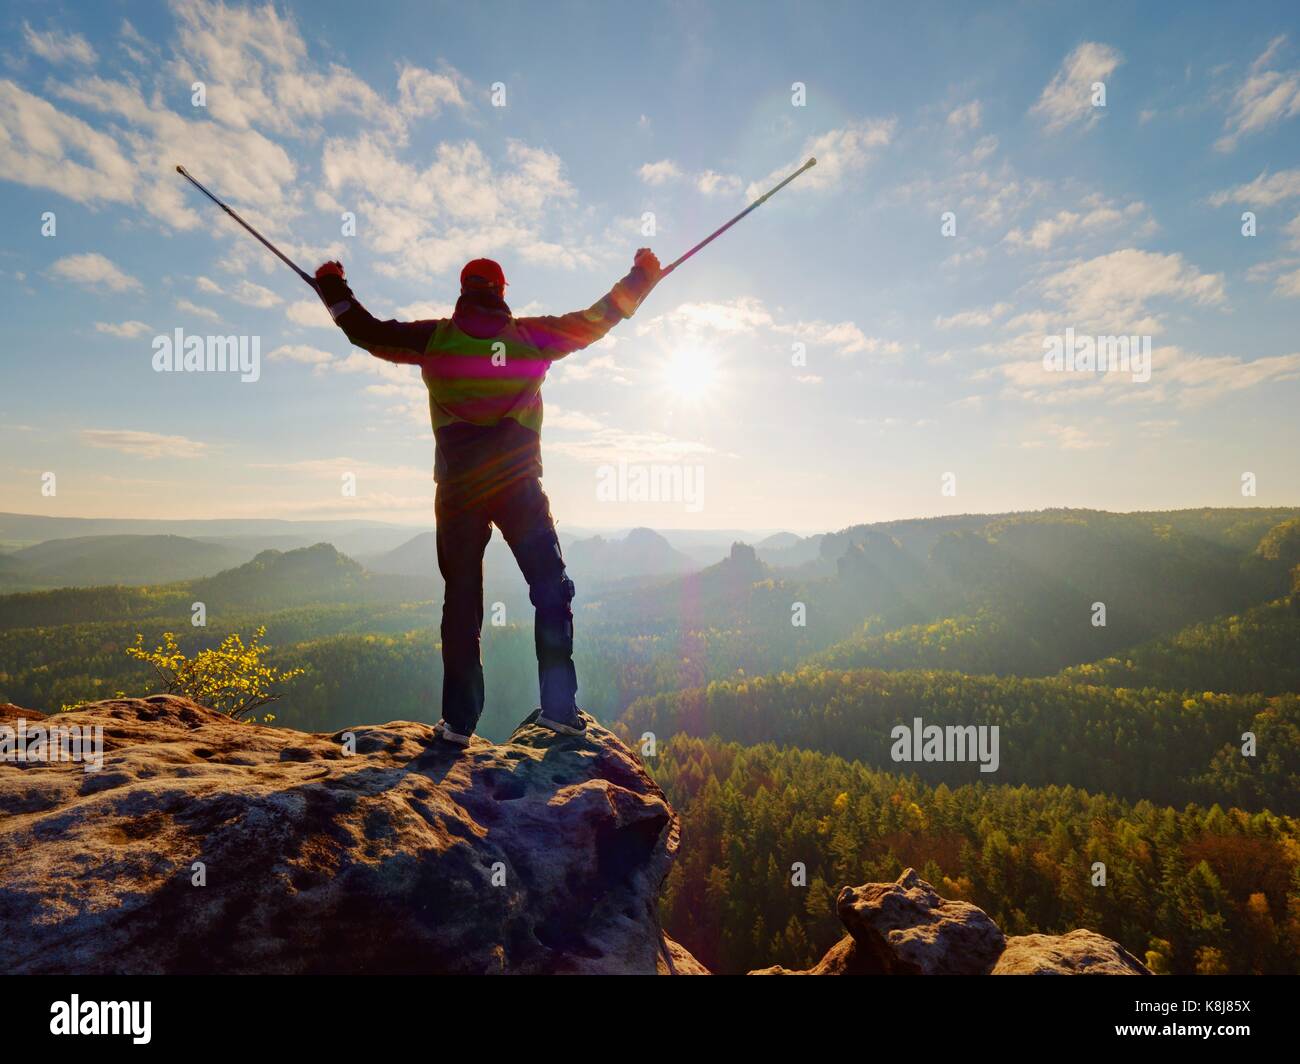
{"points": [[1192, 890], [1163, 742]]}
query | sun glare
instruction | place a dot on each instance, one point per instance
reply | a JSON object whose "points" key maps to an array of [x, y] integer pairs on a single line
{"points": [[691, 373]]}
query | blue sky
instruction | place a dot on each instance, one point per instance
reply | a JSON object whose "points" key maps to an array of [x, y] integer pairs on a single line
{"points": [[923, 350]]}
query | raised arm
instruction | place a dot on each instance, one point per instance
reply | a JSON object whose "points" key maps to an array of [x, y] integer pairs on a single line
{"points": [[558, 335], [393, 341]]}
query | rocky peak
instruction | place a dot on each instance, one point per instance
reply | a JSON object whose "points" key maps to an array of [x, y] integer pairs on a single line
{"points": [[206, 845]]}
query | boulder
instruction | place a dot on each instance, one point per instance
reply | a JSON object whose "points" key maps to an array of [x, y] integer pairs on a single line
{"points": [[11, 714], [208, 845], [1081, 952], [906, 928], [910, 930], [677, 960]]}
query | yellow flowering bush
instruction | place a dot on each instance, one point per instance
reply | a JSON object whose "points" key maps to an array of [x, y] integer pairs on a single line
{"points": [[232, 679]]}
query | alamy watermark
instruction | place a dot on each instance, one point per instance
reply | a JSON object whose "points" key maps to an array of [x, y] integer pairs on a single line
{"points": [[53, 743], [1075, 353], [179, 353], [923, 742], [666, 482], [77, 1017]]}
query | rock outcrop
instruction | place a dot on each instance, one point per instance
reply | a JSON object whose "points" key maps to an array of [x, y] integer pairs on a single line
{"points": [[206, 845], [1078, 953], [906, 928]]}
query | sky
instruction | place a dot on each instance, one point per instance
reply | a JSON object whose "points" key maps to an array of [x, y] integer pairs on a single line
{"points": [[868, 345]]}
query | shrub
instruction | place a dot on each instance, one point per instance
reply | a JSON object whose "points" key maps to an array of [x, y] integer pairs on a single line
{"points": [[232, 679]]}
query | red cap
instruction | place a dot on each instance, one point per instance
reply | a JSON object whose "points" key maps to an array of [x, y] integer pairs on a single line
{"points": [[485, 270]]}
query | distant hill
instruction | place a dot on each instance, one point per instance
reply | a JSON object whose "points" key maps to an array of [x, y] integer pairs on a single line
{"points": [[1258, 650], [711, 545], [595, 560], [248, 535], [785, 550], [417, 556], [642, 552], [316, 574], [1020, 594], [88, 561], [720, 593]]}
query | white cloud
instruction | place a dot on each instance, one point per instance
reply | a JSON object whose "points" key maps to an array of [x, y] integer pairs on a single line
{"points": [[428, 311], [94, 271], [659, 173], [423, 93], [259, 79], [1199, 378], [605, 367], [254, 295], [1292, 231], [984, 147], [1265, 191], [708, 182], [743, 315], [395, 373], [42, 147], [839, 153], [610, 446], [1111, 292], [187, 307], [141, 50], [460, 206], [1067, 437], [571, 419], [1265, 98], [254, 62], [332, 468], [308, 356], [1269, 269], [972, 319], [1177, 376], [144, 444], [1067, 98], [1095, 214], [712, 183], [959, 258], [126, 330], [252, 172], [967, 116], [748, 316], [58, 47], [1288, 284], [309, 312], [845, 336]]}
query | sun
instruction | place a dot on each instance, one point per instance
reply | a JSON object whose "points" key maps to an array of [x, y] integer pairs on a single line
{"points": [[691, 373]]}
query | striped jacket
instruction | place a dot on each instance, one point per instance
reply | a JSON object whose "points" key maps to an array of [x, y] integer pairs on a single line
{"points": [[483, 368]]}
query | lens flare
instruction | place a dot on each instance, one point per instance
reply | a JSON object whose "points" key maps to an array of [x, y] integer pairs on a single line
{"points": [[691, 373]]}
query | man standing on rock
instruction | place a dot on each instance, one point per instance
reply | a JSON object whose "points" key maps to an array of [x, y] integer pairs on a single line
{"points": [[484, 370]]}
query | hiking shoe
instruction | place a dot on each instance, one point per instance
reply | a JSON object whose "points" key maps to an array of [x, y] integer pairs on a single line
{"points": [[443, 732], [573, 726]]}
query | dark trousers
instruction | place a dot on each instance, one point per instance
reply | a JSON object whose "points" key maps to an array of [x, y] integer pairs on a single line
{"points": [[523, 514]]}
